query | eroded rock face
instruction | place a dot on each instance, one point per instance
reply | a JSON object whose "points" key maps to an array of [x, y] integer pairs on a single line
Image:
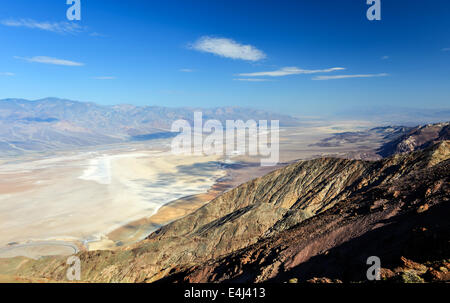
{"points": [[318, 218], [418, 138], [337, 242]]}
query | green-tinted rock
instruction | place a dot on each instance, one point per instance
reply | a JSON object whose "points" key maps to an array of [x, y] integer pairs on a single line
{"points": [[411, 276]]}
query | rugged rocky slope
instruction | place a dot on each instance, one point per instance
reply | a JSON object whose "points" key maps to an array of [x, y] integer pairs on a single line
{"points": [[281, 226], [399, 220], [417, 138], [391, 139]]}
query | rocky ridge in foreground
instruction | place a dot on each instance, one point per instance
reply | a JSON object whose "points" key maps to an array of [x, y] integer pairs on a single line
{"points": [[403, 221]]}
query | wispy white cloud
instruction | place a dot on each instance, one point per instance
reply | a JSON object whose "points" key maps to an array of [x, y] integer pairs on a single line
{"points": [[186, 70], [105, 78], [228, 48], [447, 49], [349, 76], [252, 80], [50, 60], [285, 71], [385, 57], [7, 74], [56, 27], [95, 34]]}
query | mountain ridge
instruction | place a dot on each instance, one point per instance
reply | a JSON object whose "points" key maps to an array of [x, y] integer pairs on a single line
{"points": [[337, 243], [52, 123]]}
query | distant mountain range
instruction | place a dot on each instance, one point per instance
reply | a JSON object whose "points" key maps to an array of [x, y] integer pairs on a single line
{"points": [[54, 123], [394, 115]]}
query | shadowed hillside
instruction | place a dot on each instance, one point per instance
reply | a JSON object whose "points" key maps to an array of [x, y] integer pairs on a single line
{"points": [[417, 138]]}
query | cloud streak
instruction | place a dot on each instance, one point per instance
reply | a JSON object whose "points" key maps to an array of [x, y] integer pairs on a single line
{"points": [[7, 74], [96, 34], [349, 76], [228, 48], [286, 71], [55, 27], [50, 60], [252, 80], [105, 78]]}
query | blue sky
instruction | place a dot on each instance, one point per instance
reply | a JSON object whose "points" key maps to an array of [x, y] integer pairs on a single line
{"points": [[299, 57]]}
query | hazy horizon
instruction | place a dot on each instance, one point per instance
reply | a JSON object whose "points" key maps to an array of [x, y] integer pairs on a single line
{"points": [[313, 58], [382, 114]]}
